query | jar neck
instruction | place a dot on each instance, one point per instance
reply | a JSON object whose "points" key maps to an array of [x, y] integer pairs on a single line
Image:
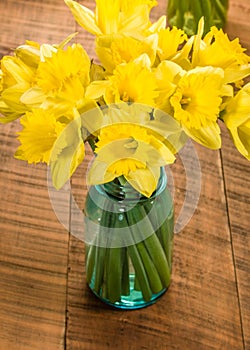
{"points": [[121, 191]]}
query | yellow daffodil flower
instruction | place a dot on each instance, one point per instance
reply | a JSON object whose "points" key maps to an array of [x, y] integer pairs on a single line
{"points": [[111, 17], [124, 49], [39, 133], [17, 78], [67, 153], [15, 71], [196, 103], [29, 53], [237, 120], [130, 82], [167, 76], [61, 81], [133, 140], [19, 92], [217, 50], [54, 73], [129, 150], [169, 41]]}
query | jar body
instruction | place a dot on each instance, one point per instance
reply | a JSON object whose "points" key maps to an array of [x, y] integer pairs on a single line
{"points": [[129, 243], [185, 14]]}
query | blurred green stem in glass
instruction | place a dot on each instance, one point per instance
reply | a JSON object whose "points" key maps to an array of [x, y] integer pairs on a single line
{"points": [[185, 14]]}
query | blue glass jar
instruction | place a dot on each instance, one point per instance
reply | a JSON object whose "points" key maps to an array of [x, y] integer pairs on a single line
{"points": [[129, 243]]}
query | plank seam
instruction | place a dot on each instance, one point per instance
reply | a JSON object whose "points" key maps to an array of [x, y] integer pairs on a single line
{"points": [[67, 279], [232, 249]]}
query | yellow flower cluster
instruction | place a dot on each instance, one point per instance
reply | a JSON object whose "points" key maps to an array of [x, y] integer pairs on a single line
{"points": [[148, 72]]}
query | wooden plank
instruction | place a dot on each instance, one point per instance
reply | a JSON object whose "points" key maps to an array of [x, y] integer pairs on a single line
{"points": [[33, 256], [238, 21], [34, 245], [43, 21], [236, 172]]}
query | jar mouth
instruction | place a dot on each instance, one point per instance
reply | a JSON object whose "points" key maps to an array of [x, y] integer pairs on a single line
{"points": [[118, 191]]}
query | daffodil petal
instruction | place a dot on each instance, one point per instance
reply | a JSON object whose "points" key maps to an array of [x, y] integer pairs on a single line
{"points": [[207, 136], [7, 115], [29, 54], [235, 74], [96, 89], [65, 165], [144, 180], [244, 135], [84, 17], [46, 51], [139, 19], [92, 120], [161, 23], [98, 173], [237, 119], [66, 41], [12, 95], [67, 153], [17, 69], [33, 96], [143, 60], [198, 42]]}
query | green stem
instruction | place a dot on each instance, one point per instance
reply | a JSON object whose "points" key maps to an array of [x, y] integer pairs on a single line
{"points": [[113, 262], [166, 230], [125, 273], [152, 273], [114, 274], [185, 14], [197, 11], [136, 284], [220, 10], [90, 262], [208, 15], [140, 272], [100, 256], [152, 244]]}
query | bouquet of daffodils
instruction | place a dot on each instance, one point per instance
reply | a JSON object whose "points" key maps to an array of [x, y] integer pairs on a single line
{"points": [[152, 89], [197, 81]]}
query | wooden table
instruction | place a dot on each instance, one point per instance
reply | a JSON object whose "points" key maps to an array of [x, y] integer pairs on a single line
{"points": [[45, 303]]}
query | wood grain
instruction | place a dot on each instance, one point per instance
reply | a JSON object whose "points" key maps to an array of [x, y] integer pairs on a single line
{"points": [[45, 303], [238, 21], [236, 171], [33, 244]]}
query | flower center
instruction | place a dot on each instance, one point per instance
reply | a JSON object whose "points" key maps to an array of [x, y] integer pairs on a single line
{"points": [[185, 101]]}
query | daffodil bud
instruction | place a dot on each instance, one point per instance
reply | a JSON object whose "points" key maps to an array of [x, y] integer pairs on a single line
{"points": [[237, 120], [30, 55]]}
